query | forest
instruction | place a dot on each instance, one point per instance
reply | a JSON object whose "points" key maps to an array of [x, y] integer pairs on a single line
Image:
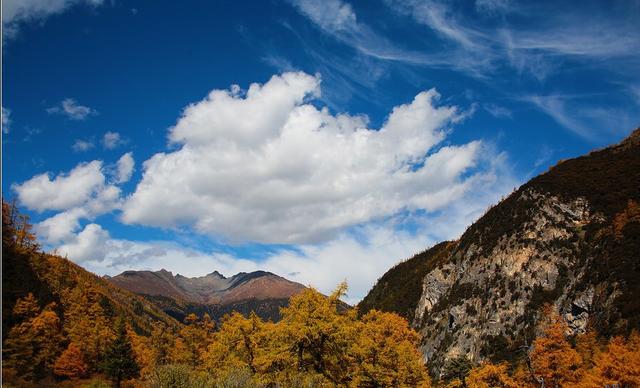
{"points": [[63, 326]]}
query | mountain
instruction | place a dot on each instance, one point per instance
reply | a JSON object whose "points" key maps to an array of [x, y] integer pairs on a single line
{"points": [[259, 291], [569, 237]]}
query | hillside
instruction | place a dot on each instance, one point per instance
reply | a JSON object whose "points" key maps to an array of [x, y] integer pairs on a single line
{"points": [[49, 302], [215, 294], [569, 237]]}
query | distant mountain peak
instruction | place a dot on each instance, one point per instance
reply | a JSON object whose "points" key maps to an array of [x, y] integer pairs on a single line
{"points": [[213, 288], [215, 274]]}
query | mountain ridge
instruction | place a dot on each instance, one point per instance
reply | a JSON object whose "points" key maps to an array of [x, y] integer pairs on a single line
{"points": [[215, 294]]}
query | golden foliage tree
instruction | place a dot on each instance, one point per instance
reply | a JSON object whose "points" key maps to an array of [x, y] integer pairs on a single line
{"points": [[70, 363], [193, 340], [619, 364], [33, 345], [552, 357], [316, 335], [489, 375], [238, 344], [385, 352]]}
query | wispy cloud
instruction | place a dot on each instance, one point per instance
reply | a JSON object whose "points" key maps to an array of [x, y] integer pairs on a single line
{"points": [[6, 120], [497, 111], [18, 12], [589, 120], [74, 111]]}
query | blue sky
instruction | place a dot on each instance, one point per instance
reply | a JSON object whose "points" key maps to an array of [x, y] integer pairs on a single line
{"points": [[372, 130]]}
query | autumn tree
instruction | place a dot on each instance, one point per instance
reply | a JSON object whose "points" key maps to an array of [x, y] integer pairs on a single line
{"points": [[17, 231], [489, 375], [119, 360], [70, 363], [317, 334], [618, 365], [552, 358], [86, 323], [237, 345], [161, 343], [385, 352], [193, 340], [32, 346]]}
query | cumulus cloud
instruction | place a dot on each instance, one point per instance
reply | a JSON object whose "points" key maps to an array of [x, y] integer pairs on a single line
{"points": [[81, 193], [112, 140], [124, 168], [90, 244], [17, 12], [64, 191], [70, 108], [60, 227], [82, 145], [268, 166], [6, 120], [359, 255]]}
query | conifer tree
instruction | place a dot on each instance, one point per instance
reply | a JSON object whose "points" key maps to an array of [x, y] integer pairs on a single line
{"points": [[119, 360]]}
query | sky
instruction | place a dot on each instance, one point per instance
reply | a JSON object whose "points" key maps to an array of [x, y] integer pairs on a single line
{"points": [[320, 140]]}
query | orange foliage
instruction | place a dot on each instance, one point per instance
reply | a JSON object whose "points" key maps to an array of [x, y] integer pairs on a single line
{"points": [[70, 363], [385, 352], [553, 358], [489, 375]]}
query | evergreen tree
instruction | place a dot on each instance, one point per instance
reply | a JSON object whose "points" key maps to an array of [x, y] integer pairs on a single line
{"points": [[457, 368], [119, 360]]}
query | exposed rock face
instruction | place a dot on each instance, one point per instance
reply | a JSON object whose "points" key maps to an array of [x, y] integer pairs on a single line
{"points": [[485, 294], [570, 237], [262, 292]]}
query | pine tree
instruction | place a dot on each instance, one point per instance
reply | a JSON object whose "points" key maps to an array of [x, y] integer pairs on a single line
{"points": [[119, 360], [457, 369]]}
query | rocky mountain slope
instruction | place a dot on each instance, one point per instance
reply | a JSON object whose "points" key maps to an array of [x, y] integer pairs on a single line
{"points": [[569, 237], [259, 291]]}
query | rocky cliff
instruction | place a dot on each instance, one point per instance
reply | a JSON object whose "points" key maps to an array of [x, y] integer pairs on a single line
{"points": [[569, 237]]}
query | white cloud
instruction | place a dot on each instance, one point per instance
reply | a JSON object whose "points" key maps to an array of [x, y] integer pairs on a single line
{"points": [[112, 140], [70, 108], [81, 194], [125, 167], [60, 227], [16, 12], [268, 167], [559, 34], [6, 120], [330, 15], [359, 255], [89, 244], [65, 191], [82, 145]]}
